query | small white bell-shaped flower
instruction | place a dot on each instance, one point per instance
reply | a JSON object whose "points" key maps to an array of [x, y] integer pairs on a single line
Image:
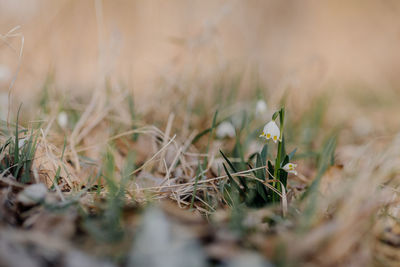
{"points": [[261, 108], [290, 168], [271, 131], [225, 129], [62, 119]]}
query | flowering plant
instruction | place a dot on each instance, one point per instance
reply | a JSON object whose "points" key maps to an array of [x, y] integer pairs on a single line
{"points": [[269, 181]]}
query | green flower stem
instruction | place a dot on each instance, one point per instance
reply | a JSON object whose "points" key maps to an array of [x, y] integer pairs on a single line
{"points": [[277, 166]]}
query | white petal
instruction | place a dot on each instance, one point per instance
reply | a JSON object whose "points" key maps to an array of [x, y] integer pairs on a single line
{"points": [[290, 168], [268, 127], [276, 132], [272, 129], [287, 167]]}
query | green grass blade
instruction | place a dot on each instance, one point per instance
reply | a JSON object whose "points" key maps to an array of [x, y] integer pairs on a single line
{"points": [[198, 175], [259, 163], [200, 135], [242, 181], [16, 145], [260, 187], [6, 144], [213, 125], [291, 154], [233, 182], [264, 153], [325, 161], [283, 174], [312, 192]]}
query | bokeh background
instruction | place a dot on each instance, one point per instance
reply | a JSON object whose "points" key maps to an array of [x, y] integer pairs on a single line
{"points": [[348, 49]]}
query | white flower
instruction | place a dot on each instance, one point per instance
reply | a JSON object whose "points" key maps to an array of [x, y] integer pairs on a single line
{"points": [[290, 168], [261, 108], [21, 142], [226, 129], [237, 119], [62, 119], [271, 131]]}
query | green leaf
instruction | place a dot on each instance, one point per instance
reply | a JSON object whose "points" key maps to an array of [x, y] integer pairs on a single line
{"points": [[108, 172], [270, 170], [198, 175], [260, 187], [241, 179], [252, 156], [283, 150], [275, 115], [131, 105], [129, 167], [213, 125], [4, 146], [260, 163], [282, 116], [228, 161], [233, 182], [291, 154], [282, 174], [264, 153], [16, 146], [251, 167], [244, 121], [238, 153]]}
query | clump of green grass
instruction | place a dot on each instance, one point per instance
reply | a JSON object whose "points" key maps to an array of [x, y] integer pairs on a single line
{"points": [[107, 225], [17, 154]]}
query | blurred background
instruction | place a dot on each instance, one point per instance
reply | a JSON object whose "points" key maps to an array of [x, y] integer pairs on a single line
{"points": [[346, 48], [92, 73]]}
